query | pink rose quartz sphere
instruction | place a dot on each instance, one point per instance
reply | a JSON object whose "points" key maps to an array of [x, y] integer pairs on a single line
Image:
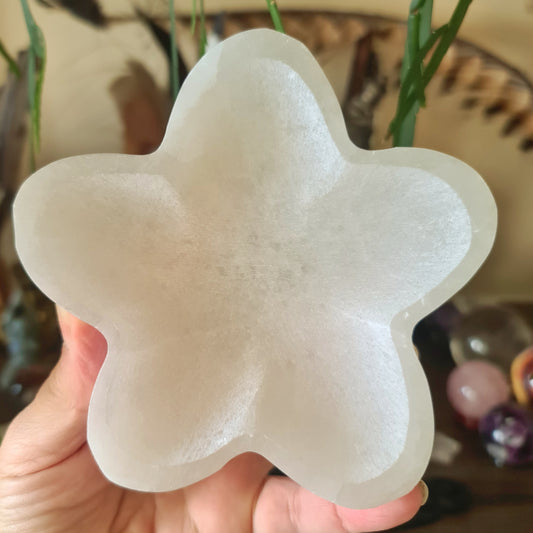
{"points": [[474, 388]]}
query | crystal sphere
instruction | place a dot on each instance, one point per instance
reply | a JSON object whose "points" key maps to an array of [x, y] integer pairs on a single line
{"points": [[494, 334], [433, 332], [522, 377], [507, 434], [474, 388], [446, 316]]}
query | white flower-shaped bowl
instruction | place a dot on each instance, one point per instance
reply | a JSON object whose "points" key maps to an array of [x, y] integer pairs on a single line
{"points": [[257, 279]]}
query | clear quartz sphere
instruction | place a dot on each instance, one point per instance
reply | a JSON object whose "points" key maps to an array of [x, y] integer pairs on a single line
{"points": [[495, 334]]}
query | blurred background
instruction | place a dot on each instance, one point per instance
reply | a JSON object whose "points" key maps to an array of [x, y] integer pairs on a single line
{"points": [[106, 89]]}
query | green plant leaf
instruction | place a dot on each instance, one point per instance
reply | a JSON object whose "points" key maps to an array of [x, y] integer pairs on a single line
{"points": [[274, 14], [409, 99], [413, 73], [11, 63], [418, 32], [36, 65], [203, 32], [174, 68]]}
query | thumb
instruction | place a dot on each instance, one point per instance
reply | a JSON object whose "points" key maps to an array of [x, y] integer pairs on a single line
{"points": [[53, 426]]}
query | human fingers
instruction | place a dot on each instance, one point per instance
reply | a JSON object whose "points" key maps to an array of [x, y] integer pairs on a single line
{"points": [[53, 426], [285, 507], [225, 500]]}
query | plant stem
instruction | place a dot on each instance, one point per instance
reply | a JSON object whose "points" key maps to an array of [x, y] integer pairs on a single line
{"points": [[418, 32], [446, 40], [36, 63], [174, 77], [203, 32], [274, 14], [11, 63], [426, 14], [409, 99], [413, 73]]}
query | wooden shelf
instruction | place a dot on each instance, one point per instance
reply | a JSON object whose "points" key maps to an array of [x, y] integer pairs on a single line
{"points": [[502, 497]]}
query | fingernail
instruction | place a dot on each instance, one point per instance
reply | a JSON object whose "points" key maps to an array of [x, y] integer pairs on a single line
{"points": [[424, 490]]}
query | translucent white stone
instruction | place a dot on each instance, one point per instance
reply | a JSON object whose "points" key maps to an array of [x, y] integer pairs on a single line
{"points": [[257, 279]]}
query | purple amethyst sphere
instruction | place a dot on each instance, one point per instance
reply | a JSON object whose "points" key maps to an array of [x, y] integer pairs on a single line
{"points": [[507, 434]]}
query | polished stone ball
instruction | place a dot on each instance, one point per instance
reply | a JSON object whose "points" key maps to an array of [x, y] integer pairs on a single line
{"points": [[507, 434], [474, 388], [494, 334]]}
